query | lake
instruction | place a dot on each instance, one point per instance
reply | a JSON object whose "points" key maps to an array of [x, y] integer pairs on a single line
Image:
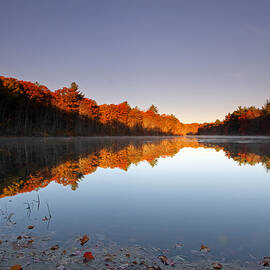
{"points": [[172, 194]]}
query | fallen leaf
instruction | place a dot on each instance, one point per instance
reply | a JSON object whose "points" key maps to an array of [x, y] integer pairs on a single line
{"points": [[55, 247], [16, 267], [166, 261], [217, 266], [84, 239], [88, 256], [163, 259], [0, 242], [205, 248], [30, 227], [45, 219], [19, 237], [266, 261]]}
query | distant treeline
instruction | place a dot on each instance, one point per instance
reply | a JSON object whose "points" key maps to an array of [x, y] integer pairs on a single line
{"points": [[31, 109], [243, 121]]}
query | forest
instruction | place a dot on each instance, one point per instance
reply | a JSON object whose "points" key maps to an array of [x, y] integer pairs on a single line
{"points": [[243, 121], [31, 109]]}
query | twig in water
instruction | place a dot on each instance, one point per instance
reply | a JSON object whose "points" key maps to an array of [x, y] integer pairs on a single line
{"points": [[50, 216], [38, 202], [28, 208]]}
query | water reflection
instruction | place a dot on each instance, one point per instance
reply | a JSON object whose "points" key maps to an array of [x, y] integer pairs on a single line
{"points": [[30, 164], [149, 191]]}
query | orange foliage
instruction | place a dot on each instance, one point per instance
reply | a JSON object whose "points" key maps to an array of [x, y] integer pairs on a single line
{"points": [[71, 172], [67, 112]]}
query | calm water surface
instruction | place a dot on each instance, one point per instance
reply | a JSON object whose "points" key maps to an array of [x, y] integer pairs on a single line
{"points": [[149, 191]]}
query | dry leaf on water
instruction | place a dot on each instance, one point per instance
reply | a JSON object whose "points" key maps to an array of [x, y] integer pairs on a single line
{"points": [[166, 260], [266, 261], [84, 239], [55, 247], [30, 227], [205, 248], [16, 267], [217, 266], [88, 256]]}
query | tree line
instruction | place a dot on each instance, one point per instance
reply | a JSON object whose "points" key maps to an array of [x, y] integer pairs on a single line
{"points": [[31, 109], [243, 121]]}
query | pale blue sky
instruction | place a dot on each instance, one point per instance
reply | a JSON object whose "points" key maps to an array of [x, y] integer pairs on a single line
{"points": [[195, 59]]}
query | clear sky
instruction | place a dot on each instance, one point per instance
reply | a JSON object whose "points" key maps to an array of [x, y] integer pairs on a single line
{"points": [[196, 59]]}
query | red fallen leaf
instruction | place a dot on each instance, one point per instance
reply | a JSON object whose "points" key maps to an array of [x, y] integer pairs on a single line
{"points": [[166, 260], [84, 239], [55, 247], [16, 267], [163, 259], [217, 266], [45, 219], [205, 248], [266, 261], [30, 227], [88, 256]]}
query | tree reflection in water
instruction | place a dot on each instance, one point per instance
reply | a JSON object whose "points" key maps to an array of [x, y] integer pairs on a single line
{"points": [[30, 164]]}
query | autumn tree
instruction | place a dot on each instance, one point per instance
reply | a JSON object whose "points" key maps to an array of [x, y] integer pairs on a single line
{"points": [[153, 108]]}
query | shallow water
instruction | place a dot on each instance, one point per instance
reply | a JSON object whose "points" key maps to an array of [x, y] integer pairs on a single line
{"points": [[154, 192]]}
